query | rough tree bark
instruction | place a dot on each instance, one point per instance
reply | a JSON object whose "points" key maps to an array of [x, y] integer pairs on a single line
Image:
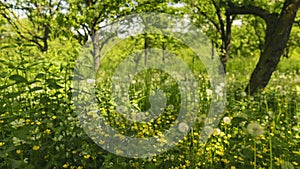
{"points": [[277, 35]]}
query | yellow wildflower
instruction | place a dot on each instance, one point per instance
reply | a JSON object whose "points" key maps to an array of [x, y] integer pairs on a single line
{"points": [[47, 131], [87, 156], [35, 148], [27, 121], [2, 143], [18, 151], [188, 163], [216, 132], [66, 165]]}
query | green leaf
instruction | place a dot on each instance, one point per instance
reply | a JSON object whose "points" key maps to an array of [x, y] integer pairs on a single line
{"points": [[247, 153], [10, 148], [40, 76], [150, 166], [3, 61], [21, 133], [17, 163], [14, 94], [28, 45], [32, 65], [52, 84], [7, 46], [3, 74], [237, 120], [11, 66], [6, 86], [45, 99], [287, 165], [3, 154], [35, 89], [76, 78], [18, 78]]}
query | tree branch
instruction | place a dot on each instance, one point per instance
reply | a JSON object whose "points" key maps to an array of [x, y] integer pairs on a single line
{"points": [[249, 9], [211, 20], [290, 5], [222, 25]]}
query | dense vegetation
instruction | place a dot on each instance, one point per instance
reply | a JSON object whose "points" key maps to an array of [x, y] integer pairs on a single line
{"points": [[39, 122]]}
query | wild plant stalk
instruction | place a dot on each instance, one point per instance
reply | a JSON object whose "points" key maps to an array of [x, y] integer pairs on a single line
{"points": [[192, 150], [255, 139], [270, 142], [271, 153], [95, 164], [270, 136]]}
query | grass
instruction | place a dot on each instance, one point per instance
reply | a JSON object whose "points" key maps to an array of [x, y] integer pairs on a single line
{"points": [[40, 128]]}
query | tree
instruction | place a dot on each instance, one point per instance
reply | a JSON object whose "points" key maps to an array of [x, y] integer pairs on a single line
{"points": [[278, 17], [32, 20], [87, 17], [248, 37], [217, 23], [39, 21], [277, 34]]}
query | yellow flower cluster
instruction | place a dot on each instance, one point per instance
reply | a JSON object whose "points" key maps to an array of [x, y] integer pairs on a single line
{"points": [[35, 147], [2, 144]]}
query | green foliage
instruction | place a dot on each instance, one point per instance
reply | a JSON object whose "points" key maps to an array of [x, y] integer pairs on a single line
{"points": [[248, 38], [39, 127], [38, 124]]}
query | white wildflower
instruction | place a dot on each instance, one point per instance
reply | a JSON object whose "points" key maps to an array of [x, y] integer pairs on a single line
{"points": [[217, 131], [208, 92], [138, 116], [255, 129], [17, 123], [183, 127], [90, 81], [243, 94], [226, 120], [17, 141], [121, 109], [208, 130]]}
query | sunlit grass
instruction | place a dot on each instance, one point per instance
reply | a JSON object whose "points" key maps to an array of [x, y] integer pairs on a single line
{"points": [[39, 128]]}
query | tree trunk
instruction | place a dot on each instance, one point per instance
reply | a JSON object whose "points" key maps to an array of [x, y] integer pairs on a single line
{"points": [[226, 42], [96, 50], [277, 35], [146, 48]]}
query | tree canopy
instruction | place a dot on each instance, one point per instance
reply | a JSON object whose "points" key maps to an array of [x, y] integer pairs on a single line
{"points": [[236, 28]]}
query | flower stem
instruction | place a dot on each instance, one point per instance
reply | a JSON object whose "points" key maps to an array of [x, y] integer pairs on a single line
{"points": [[255, 153]]}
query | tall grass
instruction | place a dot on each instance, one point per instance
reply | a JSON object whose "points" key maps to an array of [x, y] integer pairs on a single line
{"points": [[39, 128]]}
